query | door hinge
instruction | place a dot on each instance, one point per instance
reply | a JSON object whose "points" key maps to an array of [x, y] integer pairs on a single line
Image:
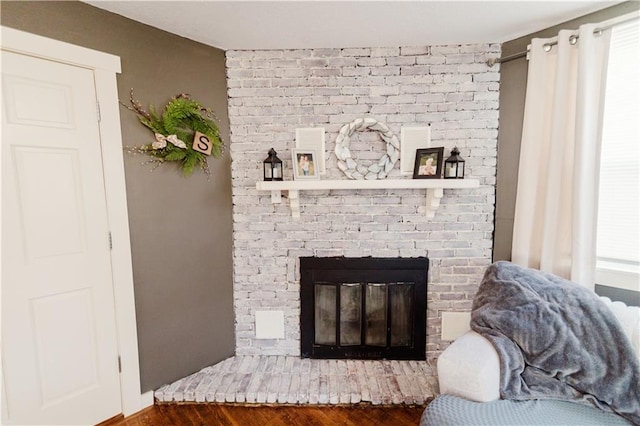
{"points": [[110, 241], [98, 111], [119, 364]]}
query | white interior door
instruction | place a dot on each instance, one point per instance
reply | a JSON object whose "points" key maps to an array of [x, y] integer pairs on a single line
{"points": [[59, 343]]}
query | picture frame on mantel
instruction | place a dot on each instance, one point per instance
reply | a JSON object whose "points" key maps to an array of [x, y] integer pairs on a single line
{"points": [[428, 164], [312, 138], [412, 139], [305, 164]]}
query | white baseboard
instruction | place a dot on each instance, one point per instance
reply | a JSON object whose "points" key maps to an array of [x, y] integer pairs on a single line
{"points": [[146, 400]]}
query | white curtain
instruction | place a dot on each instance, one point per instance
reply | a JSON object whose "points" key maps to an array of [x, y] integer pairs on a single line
{"points": [[557, 192]]}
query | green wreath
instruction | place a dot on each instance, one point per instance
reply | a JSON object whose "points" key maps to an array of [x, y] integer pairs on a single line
{"points": [[174, 130]]}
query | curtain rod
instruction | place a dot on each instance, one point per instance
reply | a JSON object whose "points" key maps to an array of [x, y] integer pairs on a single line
{"points": [[606, 25]]}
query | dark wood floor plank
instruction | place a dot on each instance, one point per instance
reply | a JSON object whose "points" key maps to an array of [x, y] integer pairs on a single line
{"points": [[312, 416], [282, 415], [239, 415]]}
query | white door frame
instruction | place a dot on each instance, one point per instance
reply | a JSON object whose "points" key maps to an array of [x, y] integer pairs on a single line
{"points": [[104, 67]]}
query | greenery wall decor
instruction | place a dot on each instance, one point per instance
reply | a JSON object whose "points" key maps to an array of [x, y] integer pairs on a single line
{"points": [[175, 128]]}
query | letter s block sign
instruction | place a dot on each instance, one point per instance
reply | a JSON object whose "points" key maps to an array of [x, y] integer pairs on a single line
{"points": [[201, 143]]}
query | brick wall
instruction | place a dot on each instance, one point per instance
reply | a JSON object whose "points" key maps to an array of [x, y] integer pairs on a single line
{"points": [[271, 92]]}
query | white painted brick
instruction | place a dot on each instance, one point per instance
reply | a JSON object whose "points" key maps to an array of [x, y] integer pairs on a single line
{"points": [[356, 109], [356, 71], [385, 51], [414, 70], [356, 52], [385, 71], [430, 60], [467, 58], [431, 98], [238, 54], [401, 99], [404, 79], [414, 50], [371, 62], [415, 88], [446, 69], [384, 90], [341, 62], [325, 52], [445, 49]]}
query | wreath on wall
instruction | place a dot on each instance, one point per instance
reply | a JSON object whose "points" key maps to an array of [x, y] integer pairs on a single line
{"points": [[378, 170], [183, 120]]}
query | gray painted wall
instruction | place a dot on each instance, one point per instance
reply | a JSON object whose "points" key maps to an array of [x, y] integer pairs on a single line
{"points": [[181, 229]]}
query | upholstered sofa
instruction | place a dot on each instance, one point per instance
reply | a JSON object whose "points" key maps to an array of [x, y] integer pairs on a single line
{"points": [[469, 374]]}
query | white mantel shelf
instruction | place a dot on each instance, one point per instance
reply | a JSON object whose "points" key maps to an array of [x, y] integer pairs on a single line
{"points": [[434, 188]]}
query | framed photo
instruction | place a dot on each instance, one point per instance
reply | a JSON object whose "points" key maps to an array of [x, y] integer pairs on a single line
{"points": [[305, 164], [428, 163], [411, 139], [312, 138]]}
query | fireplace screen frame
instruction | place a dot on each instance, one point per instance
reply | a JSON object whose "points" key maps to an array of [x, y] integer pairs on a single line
{"points": [[343, 271]]}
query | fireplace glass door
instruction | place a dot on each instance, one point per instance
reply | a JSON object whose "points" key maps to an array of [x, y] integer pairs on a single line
{"points": [[364, 320], [350, 312]]}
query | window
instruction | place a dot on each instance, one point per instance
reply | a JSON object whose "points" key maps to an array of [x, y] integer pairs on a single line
{"points": [[618, 238]]}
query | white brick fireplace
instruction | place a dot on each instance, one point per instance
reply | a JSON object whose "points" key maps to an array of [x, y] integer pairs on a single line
{"points": [[272, 92]]}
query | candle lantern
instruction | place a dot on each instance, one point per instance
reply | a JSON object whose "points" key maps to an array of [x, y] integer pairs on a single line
{"points": [[454, 166], [272, 166]]}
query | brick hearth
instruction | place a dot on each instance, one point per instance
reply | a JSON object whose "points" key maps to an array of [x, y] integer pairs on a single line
{"points": [[293, 380]]}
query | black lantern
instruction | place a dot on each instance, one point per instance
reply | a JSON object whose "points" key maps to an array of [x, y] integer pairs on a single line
{"points": [[454, 166], [272, 166]]}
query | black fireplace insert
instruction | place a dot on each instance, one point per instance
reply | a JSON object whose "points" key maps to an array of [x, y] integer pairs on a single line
{"points": [[363, 308]]}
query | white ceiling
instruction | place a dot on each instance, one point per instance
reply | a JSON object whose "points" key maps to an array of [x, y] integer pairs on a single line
{"points": [[317, 24]]}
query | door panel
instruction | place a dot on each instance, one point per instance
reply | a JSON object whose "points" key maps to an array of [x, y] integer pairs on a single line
{"points": [[64, 321], [51, 211], [20, 93], [59, 343]]}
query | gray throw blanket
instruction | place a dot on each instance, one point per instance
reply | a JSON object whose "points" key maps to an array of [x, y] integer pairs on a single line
{"points": [[556, 340]]}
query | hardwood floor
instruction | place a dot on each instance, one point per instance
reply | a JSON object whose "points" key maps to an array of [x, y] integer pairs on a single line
{"points": [[243, 415]]}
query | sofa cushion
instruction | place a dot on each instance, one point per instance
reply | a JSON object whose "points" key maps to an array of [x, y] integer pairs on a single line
{"points": [[449, 410], [470, 368], [629, 319]]}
